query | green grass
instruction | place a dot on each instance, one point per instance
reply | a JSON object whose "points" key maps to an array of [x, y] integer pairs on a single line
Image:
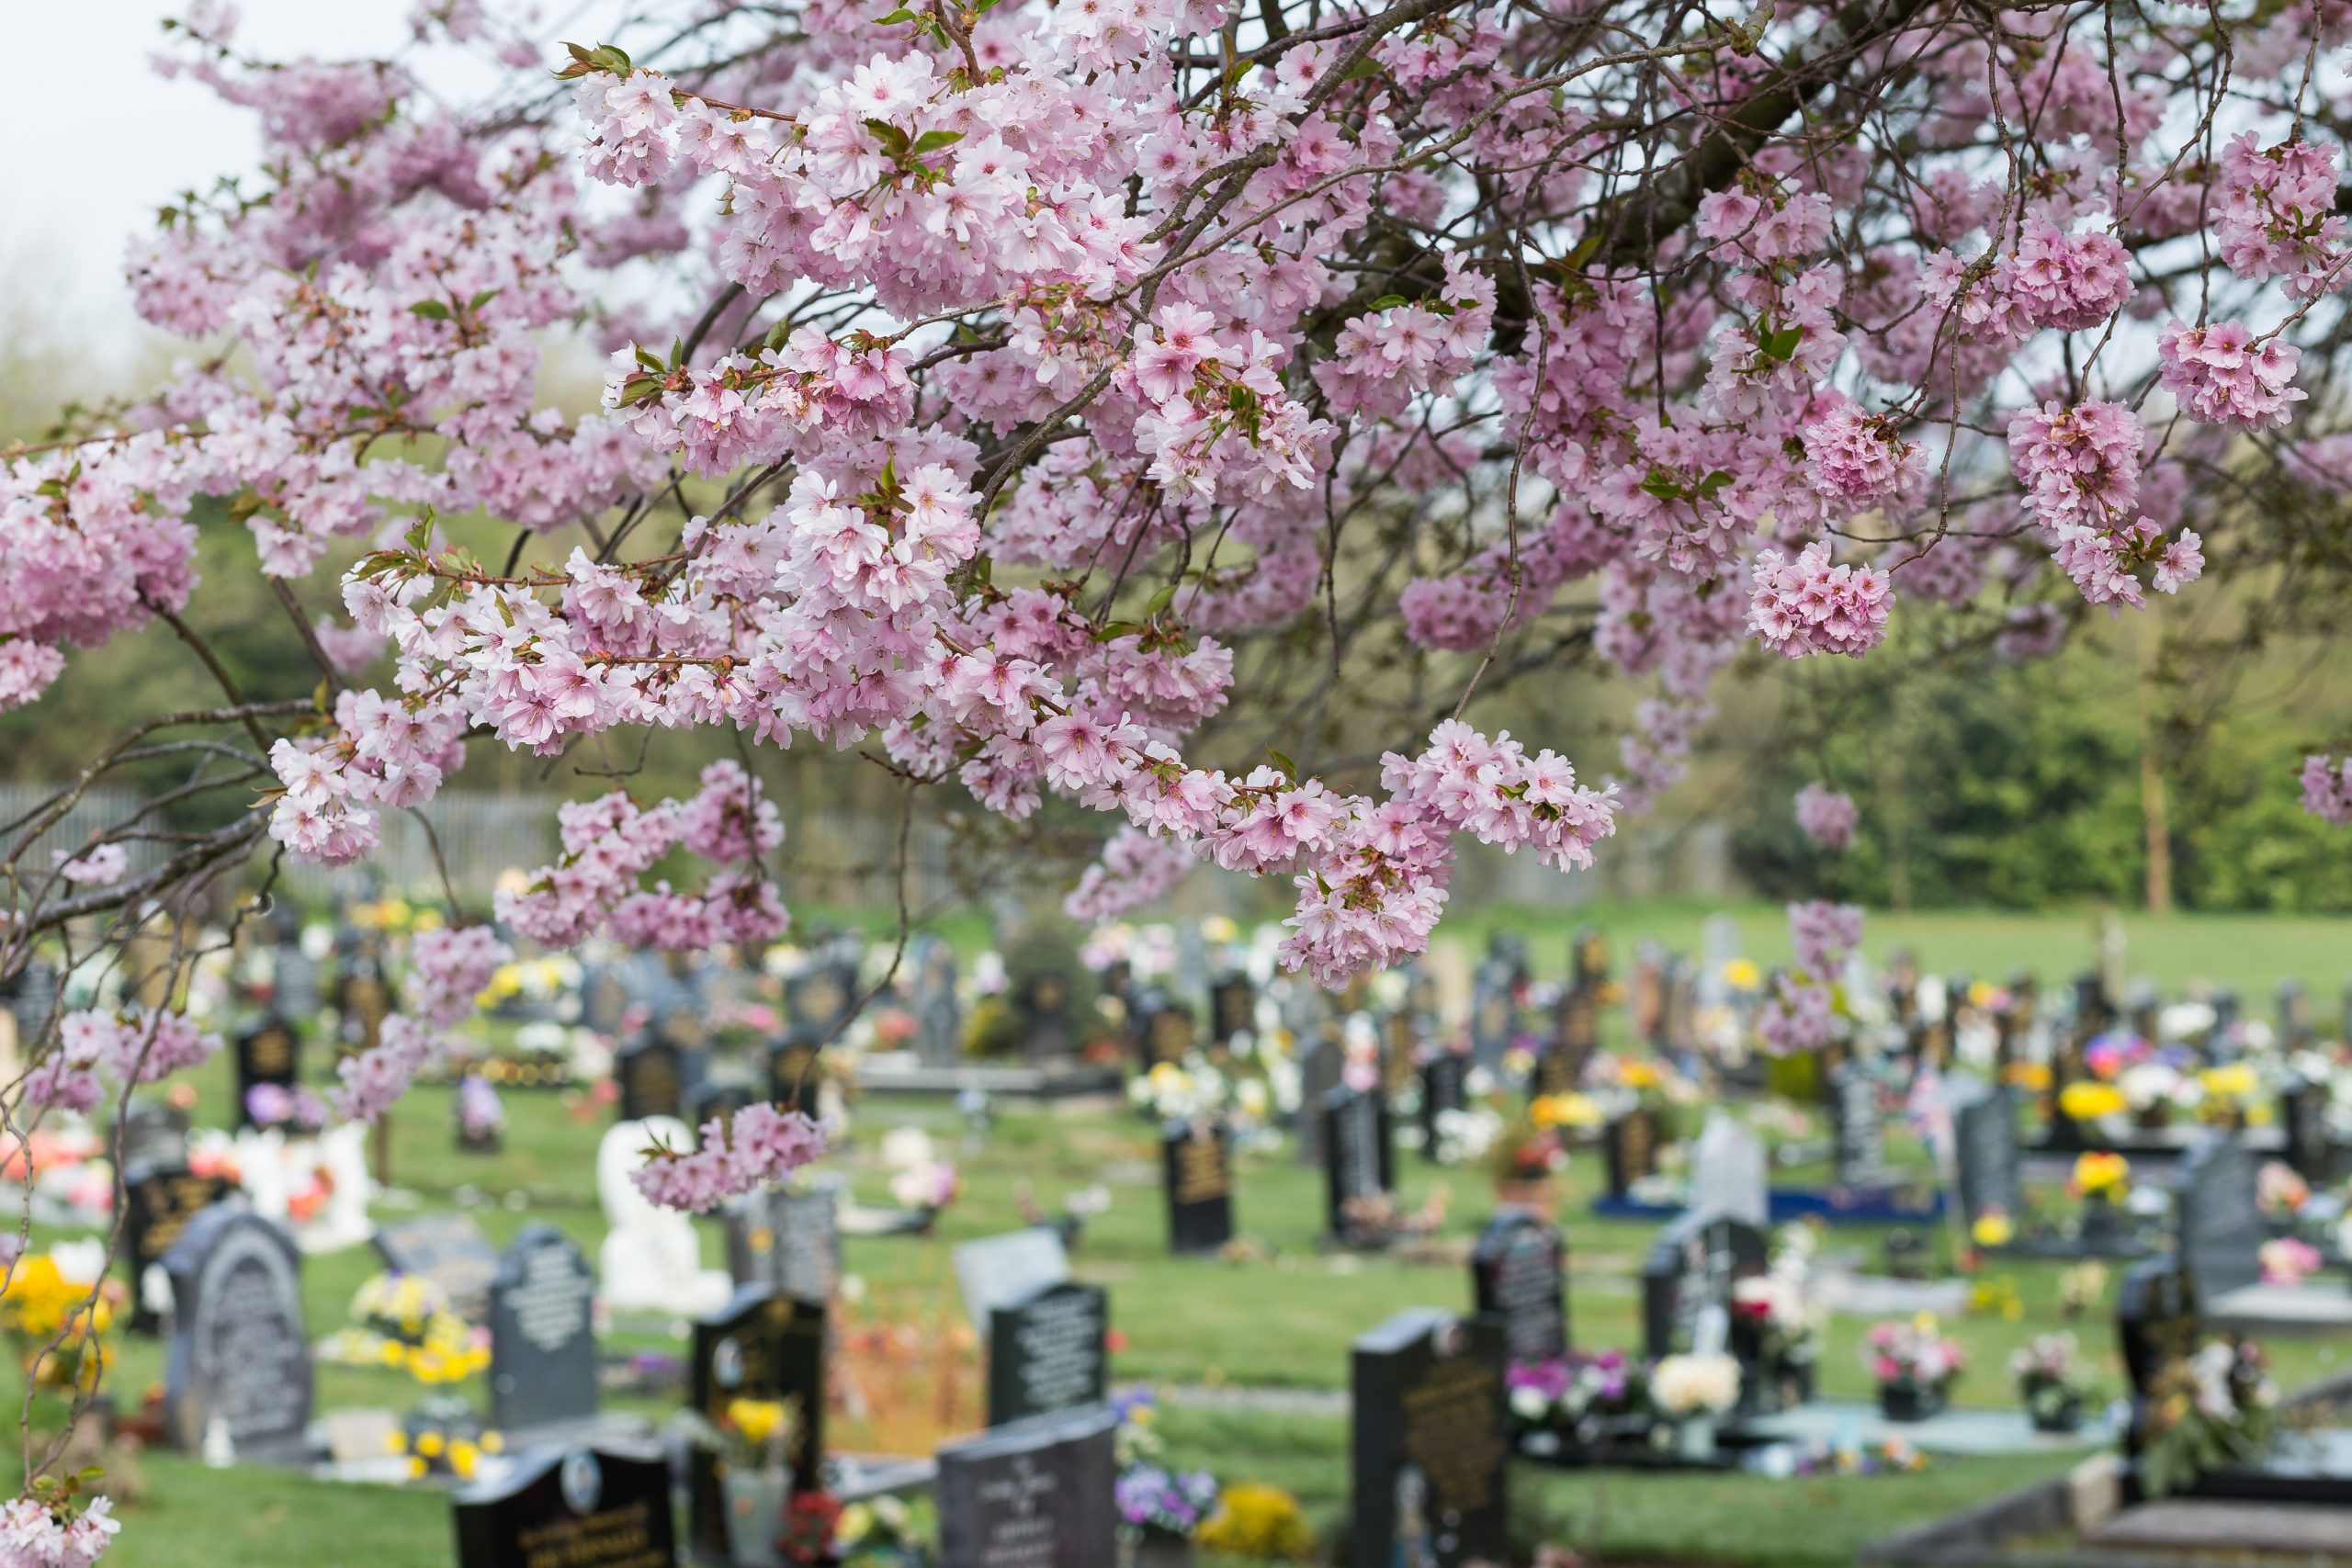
{"points": [[1283, 1321]]}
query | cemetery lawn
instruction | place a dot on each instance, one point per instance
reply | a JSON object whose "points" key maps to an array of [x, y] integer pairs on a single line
{"points": [[1203, 1329]]}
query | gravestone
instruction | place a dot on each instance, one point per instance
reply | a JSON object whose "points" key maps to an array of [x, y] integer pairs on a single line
{"points": [[1445, 1088], [652, 1076], [1037, 1494], [2156, 1326], [2310, 1143], [1233, 1007], [818, 1000], [293, 980], [795, 1073], [1319, 1069], [448, 1249], [1561, 1069], [1689, 1272], [1858, 1136], [1047, 1353], [1731, 1171], [1196, 1163], [1518, 1276], [1646, 999], [939, 1020], [240, 1357], [2294, 1015], [584, 1507], [1494, 1012], [268, 1052], [716, 1100], [155, 1132], [1430, 1451], [158, 1202], [1167, 1033], [1629, 1148], [363, 999], [542, 1334], [1984, 1136], [605, 999], [1359, 1161], [789, 1240], [31, 999], [1004, 1270], [762, 1345], [1047, 1031], [2220, 1228]]}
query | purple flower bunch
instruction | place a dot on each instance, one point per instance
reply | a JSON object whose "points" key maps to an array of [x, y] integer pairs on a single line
{"points": [[1150, 1495]]}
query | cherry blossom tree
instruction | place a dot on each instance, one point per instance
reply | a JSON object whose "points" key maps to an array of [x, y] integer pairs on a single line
{"points": [[1083, 400]]}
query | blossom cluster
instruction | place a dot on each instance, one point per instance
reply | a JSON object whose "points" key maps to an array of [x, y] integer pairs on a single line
{"points": [[758, 1144], [1826, 817], [135, 1047]]}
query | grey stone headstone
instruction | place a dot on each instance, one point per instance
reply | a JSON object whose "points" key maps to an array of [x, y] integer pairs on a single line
{"points": [[1984, 1136], [542, 1334], [448, 1249], [239, 1354], [1320, 1063], [789, 1240], [1004, 1270], [1857, 1135], [939, 1018], [1730, 1172], [1037, 1494], [2221, 1227]]}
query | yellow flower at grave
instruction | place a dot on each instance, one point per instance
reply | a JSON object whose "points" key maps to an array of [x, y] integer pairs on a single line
{"points": [[2101, 1174], [1742, 975], [416, 1468], [2089, 1101], [1993, 1228], [1257, 1521], [756, 1419], [2033, 1076], [396, 1442], [1636, 1073], [2235, 1081], [430, 1445], [1552, 1110], [463, 1457]]}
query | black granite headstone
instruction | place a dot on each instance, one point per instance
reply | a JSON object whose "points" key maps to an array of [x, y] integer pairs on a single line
{"points": [[1196, 1160], [1037, 1494], [158, 1202], [1168, 1035], [762, 1345], [584, 1507], [654, 1074], [2311, 1148], [542, 1334], [1359, 1156], [1518, 1276], [1233, 1007], [240, 1356], [1320, 1063], [448, 1249], [1430, 1449], [1691, 1269], [1047, 1030], [1494, 1012], [267, 1052], [1445, 1088], [1048, 1353], [1629, 1148], [795, 1071], [818, 1000]]}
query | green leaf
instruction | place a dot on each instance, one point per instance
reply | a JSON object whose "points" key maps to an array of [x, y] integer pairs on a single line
{"points": [[479, 300], [901, 15], [431, 309], [1388, 302], [1712, 483], [1663, 485], [1161, 600], [893, 140], [1289, 768], [933, 140]]}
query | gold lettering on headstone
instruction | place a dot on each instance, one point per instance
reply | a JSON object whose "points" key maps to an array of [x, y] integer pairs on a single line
{"points": [[1452, 1433], [611, 1538], [1201, 1173]]}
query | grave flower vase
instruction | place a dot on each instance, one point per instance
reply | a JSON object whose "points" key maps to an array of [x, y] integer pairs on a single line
{"points": [[1908, 1401], [755, 1505], [1694, 1438], [2054, 1410]]}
